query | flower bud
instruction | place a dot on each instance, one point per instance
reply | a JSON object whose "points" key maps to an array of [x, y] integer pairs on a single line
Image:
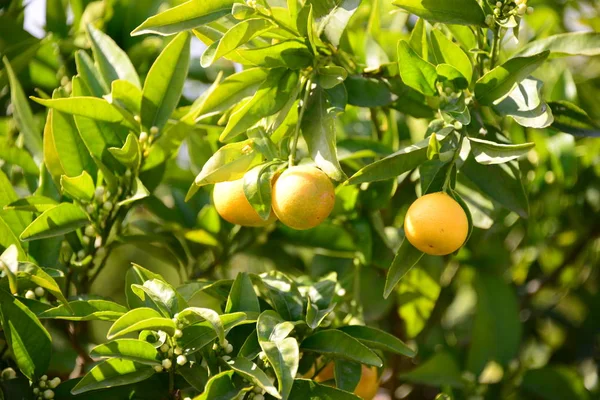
{"points": [[154, 130], [229, 348], [108, 205], [48, 394], [90, 231], [178, 351], [39, 291], [143, 137], [81, 254], [158, 368], [226, 358], [170, 353], [99, 193], [8, 373], [181, 360], [166, 363], [30, 295], [177, 334], [164, 348], [259, 397], [54, 383]]}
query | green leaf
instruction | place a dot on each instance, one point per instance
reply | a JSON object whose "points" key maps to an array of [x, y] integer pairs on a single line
{"points": [[406, 258], [525, 105], [30, 343], [56, 221], [439, 370], [238, 35], [188, 15], [378, 339], [111, 60], [290, 54], [497, 327], [22, 114], [80, 188], [445, 51], [487, 152], [500, 81], [564, 44], [196, 336], [331, 76], [232, 90], [283, 294], [163, 296], [501, 182], [554, 382], [571, 119], [308, 389], [221, 387], [368, 92], [207, 314], [242, 296], [128, 349], [257, 187], [164, 82], [32, 203], [459, 12], [318, 129], [16, 221], [271, 96], [195, 375], [130, 154], [41, 278], [140, 319], [89, 75], [9, 264], [456, 196], [86, 310], [12, 154], [402, 161], [283, 357], [416, 72], [337, 344], [418, 39], [250, 371], [89, 107], [347, 374], [9, 238], [138, 275], [229, 163], [126, 95], [139, 192], [111, 373], [334, 23]]}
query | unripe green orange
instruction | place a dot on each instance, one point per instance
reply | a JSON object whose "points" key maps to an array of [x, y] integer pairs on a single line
{"points": [[233, 206], [436, 224], [303, 197]]}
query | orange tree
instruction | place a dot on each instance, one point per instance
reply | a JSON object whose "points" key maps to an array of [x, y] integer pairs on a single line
{"points": [[217, 199]]}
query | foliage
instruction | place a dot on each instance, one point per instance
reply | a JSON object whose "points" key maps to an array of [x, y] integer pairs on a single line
{"points": [[115, 126]]}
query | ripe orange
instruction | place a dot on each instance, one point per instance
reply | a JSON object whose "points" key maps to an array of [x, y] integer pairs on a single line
{"points": [[367, 386], [233, 206], [303, 197], [436, 224]]}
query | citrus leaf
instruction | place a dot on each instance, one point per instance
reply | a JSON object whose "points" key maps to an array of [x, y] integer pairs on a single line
{"points": [[111, 373], [337, 344], [459, 12], [406, 258], [128, 349], [56, 221], [140, 319], [416, 72], [378, 339], [487, 152], [564, 44]]}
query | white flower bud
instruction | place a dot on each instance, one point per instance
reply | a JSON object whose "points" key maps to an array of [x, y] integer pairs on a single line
{"points": [[36, 390], [164, 348], [177, 334], [489, 20], [48, 394], [30, 295], [99, 193], [154, 130], [181, 360], [158, 368], [215, 347], [522, 9], [39, 291], [178, 351], [229, 348], [108, 205], [458, 125], [259, 397], [81, 254], [137, 118], [257, 389], [499, 4], [225, 342], [90, 231], [85, 240], [90, 209], [42, 384], [226, 358], [166, 363], [143, 137], [529, 10], [54, 382]]}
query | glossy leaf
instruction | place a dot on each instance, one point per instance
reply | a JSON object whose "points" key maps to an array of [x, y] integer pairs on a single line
{"points": [[439, 370], [89, 107], [257, 187], [80, 188], [188, 15], [525, 105], [130, 154], [242, 296], [163, 296], [196, 336], [29, 341], [378, 339], [487, 152], [43, 279], [140, 319], [164, 82], [111, 373], [347, 374], [445, 51], [368, 92], [221, 387], [337, 344], [564, 44], [571, 119], [459, 12], [554, 382], [56, 221], [126, 95], [500, 81], [334, 23], [86, 310], [89, 75], [308, 389], [250, 371], [128, 349], [290, 54], [416, 72]]}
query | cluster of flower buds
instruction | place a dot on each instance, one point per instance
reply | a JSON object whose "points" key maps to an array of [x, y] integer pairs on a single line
{"points": [[258, 393], [146, 138], [170, 352], [507, 8], [223, 350], [35, 294], [43, 389], [251, 3]]}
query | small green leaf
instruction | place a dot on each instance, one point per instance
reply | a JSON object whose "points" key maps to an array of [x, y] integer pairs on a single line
{"points": [[128, 349], [439, 370], [257, 187], [196, 336], [290, 54], [195, 375], [487, 152], [163, 296], [564, 44], [571, 119], [130, 154], [402, 161], [32, 203], [10, 265], [250, 371], [86, 310], [30, 343], [188, 15], [56, 221], [308, 389], [283, 294], [283, 357], [445, 51], [416, 72], [80, 188], [334, 23], [41, 278], [378, 339], [207, 314], [12, 154], [138, 275], [500, 81], [164, 82], [89, 107], [554, 382], [140, 319], [238, 35], [406, 258], [331, 76], [242, 296], [221, 387], [368, 92], [434, 147], [139, 192], [347, 374], [418, 39], [337, 344], [459, 12], [315, 316], [90, 76], [126, 95], [111, 373], [111, 60]]}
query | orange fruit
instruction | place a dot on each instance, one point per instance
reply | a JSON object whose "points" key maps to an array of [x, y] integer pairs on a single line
{"points": [[303, 197], [233, 206], [367, 386], [436, 224]]}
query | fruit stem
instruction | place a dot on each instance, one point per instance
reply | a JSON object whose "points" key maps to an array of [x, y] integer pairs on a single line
{"points": [[300, 116], [453, 162]]}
